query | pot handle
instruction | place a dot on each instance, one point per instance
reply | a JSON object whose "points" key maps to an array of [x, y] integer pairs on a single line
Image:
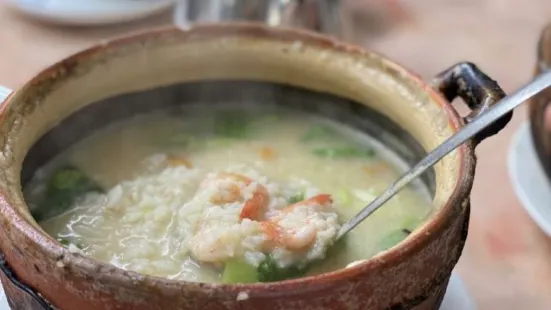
{"points": [[466, 81], [19, 295], [4, 93]]}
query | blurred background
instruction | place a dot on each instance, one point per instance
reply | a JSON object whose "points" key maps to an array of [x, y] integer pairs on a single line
{"points": [[507, 260]]}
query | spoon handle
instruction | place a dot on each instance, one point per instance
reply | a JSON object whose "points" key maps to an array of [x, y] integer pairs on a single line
{"points": [[504, 106]]}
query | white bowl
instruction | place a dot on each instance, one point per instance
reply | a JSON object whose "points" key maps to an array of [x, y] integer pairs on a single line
{"points": [[529, 179], [89, 12]]}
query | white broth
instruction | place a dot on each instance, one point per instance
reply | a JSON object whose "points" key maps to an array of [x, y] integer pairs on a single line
{"points": [[196, 195]]}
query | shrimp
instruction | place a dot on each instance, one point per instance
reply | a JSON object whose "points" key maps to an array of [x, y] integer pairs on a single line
{"points": [[211, 247], [229, 186], [303, 234], [254, 207], [292, 239]]}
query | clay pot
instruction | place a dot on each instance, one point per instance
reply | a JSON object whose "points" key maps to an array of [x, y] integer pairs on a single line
{"points": [[215, 64], [538, 104]]}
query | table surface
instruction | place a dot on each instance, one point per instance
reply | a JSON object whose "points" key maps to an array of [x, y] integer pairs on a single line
{"points": [[503, 268]]}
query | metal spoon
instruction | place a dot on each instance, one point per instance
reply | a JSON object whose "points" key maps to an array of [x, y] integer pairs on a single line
{"points": [[504, 106]]}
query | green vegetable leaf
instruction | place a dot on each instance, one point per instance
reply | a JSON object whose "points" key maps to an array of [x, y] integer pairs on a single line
{"points": [[269, 271], [63, 188], [296, 198], [343, 152], [239, 272], [318, 132], [67, 241], [233, 124], [65, 179], [393, 239]]}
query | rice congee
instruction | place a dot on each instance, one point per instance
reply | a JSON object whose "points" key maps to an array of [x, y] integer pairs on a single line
{"points": [[230, 196]]}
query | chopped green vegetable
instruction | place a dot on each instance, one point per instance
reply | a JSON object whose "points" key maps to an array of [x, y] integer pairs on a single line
{"points": [[333, 256], [269, 271], [239, 272], [318, 132], [233, 124], [343, 152], [65, 179], [296, 198], [66, 242], [345, 197], [64, 187], [393, 239], [365, 196], [337, 247]]}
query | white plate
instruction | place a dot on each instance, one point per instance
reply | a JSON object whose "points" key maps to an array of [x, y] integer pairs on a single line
{"points": [[457, 297], [89, 12], [529, 180], [3, 302]]}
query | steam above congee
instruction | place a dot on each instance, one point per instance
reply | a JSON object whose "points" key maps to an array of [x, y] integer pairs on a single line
{"points": [[228, 196]]}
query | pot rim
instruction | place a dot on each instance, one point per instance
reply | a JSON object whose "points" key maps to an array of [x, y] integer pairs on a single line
{"points": [[423, 235]]}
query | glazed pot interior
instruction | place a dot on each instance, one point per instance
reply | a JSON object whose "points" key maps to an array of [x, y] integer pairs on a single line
{"points": [[170, 68]]}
